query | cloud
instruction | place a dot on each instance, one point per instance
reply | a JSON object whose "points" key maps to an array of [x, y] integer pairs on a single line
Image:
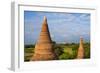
{"points": [[62, 26], [85, 17]]}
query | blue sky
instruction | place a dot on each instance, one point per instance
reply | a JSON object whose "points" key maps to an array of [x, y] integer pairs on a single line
{"points": [[63, 27]]}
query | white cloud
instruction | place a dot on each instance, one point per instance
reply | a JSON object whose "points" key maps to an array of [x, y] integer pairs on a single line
{"points": [[84, 17]]}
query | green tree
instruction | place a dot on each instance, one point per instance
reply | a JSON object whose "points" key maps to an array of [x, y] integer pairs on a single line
{"points": [[64, 56]]}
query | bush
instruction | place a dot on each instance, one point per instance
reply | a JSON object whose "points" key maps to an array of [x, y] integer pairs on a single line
{"points": [[58, 51], [66, 56]]}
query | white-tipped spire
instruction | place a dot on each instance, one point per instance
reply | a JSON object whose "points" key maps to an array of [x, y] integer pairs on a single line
{"points": [[45, 18]]}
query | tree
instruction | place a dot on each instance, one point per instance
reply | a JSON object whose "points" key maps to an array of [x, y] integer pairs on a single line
{"points": [[64, 56], [57, 49]]}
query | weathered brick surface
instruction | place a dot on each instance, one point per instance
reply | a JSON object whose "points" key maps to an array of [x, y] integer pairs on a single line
{"points": [[80, 54], [43, 48]]}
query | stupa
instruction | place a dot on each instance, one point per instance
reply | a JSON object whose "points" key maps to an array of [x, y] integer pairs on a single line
{"points": [[80, 54], [44, 47]]}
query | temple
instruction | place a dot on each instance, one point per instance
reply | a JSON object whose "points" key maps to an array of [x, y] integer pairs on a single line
{"points": [[44, 47], [80, 54]]}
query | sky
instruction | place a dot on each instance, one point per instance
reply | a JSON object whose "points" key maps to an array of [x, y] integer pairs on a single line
{"points": [[63, 27]]}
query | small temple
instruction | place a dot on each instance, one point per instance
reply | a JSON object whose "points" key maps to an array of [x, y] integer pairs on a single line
{"points": [[44, 47], [80, 54]]}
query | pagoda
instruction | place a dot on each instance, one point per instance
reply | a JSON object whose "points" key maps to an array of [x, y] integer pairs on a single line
{"points": [[44, 47], [80, 54]]}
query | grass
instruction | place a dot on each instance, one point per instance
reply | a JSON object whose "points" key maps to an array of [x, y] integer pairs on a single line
{"points": [[28, 53], [63, 51]]}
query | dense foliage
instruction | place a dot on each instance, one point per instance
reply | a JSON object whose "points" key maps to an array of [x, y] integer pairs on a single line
{"points": [[63, 51]]}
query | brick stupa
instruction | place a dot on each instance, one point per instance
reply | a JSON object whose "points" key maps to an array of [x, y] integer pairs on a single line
{"points": [[44, 47], [80, 54]]}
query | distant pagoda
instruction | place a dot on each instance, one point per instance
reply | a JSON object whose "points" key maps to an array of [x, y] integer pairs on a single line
{"points": [[80, 54], [44, 47]]}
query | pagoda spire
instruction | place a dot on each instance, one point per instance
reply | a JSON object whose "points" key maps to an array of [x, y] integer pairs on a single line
{"points": [[80, 53], [44, 48]]}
